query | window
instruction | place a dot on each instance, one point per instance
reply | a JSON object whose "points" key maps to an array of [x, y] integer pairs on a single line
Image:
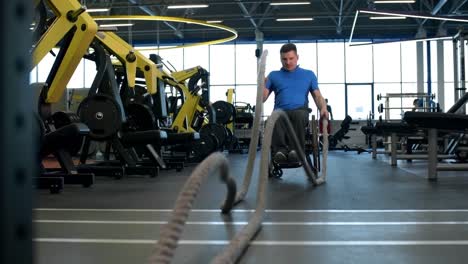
{"points": [[218, 92], [174, 57], [330, 60], [387, 62], [196, 56], [335, 93], [222, 64], [358, 64], [408, 62], [246, 63], [77, 79], [273, 62], [307, 56]]}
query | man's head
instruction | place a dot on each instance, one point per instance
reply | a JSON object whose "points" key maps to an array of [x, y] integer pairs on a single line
{"points": [[289, 57]]}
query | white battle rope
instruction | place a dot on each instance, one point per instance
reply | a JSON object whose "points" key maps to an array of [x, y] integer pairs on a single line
{"points": [[171, 232]]}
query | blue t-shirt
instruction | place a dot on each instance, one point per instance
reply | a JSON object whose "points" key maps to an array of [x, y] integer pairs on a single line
{"points": [[291, 88]]}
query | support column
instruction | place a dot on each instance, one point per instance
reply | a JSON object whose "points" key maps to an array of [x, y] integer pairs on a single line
{"points": [[432, 154], [18, 149], [440, 74], [462, 88], [259, 41], [420, 66]]}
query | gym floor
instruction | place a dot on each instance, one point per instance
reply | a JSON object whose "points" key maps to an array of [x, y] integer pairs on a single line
{"points": [[367, 212]]}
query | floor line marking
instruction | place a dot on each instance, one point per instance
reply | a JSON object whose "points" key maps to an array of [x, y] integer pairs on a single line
{"points": [[242, 223], [263, 242], [267, 211]]}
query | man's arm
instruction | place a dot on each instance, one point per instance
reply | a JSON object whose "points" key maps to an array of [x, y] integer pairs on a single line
{"points": [[266, 92], [320, 102]]}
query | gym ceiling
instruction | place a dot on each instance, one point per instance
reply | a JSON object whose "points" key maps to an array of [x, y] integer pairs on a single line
{"points": [[331, 19]]}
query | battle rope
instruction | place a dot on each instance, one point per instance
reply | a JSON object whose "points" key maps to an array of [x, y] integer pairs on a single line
{"points": [[255, 128], [171, 232], [255, 134], [241, 240]]}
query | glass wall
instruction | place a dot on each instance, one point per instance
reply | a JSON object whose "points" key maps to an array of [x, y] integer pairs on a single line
{"points": [[388, 68]]}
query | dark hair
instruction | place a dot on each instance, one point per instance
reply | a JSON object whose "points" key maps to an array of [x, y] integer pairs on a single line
{"points": [[288, 47]]}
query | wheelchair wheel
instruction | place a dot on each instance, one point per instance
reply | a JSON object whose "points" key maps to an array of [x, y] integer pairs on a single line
{"points": [[275, 172]]}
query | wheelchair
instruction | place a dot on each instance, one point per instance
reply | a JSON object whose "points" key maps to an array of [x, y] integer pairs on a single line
{"points": [[311, 150]]}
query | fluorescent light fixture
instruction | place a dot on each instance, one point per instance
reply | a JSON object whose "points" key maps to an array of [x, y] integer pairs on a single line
{"points": [[403, 40], [214, 21], [290, 3], [389, 13], [186, 6], [394, 1], [116, 25], [294, 19], [95, 10], [443, 18], [386, 17]]}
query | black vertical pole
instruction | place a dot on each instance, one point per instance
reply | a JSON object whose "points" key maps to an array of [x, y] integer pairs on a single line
{"points": [[17, 145]]}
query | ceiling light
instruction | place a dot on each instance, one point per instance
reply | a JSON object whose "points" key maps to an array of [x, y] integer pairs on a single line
{"points": [[94, 10], [294, 19], [404, 40], [386, 17], [290, 3], [214, 21], [394, 1], [186, 6], [413, 16], [116, 25]]}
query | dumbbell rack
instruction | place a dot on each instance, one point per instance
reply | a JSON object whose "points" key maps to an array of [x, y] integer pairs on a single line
{"points": [[426, 102]]}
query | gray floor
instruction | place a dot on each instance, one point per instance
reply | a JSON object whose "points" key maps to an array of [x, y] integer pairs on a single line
{"points": [[367, 212]]}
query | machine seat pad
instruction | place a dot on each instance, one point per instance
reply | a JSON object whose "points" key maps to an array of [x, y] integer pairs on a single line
{"points": [[182, 137], [369, 130], [443, 121], [144, 137], [399, 128], [59, 138]]}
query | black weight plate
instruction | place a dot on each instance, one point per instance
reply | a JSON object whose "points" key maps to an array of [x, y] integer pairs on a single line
{"points": [[101, 114], [224, 112], [217, 130], [140, 117], [206, 145]]}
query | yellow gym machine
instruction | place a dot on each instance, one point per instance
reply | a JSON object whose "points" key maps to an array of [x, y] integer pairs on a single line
{"points": [[73, 30]]}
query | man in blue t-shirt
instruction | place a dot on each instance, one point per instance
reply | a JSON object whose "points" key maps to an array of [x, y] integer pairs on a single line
{"points": [[291, 85]]}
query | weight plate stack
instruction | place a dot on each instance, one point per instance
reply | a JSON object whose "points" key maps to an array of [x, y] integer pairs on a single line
{"points": [[140, 117], [102, 115], [224, 112], [216, 130]]}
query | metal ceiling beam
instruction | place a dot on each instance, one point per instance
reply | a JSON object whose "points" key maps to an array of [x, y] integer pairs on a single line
{"points": [[265, 15], [340, 14], [246, 13], [150, 12], [325, 4], [438, 7]]}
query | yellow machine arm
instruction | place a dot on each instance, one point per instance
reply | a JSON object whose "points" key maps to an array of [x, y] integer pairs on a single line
{"points": [[131, 60], [194, 104], [230, 99], [183, 75], [71, 18]]}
